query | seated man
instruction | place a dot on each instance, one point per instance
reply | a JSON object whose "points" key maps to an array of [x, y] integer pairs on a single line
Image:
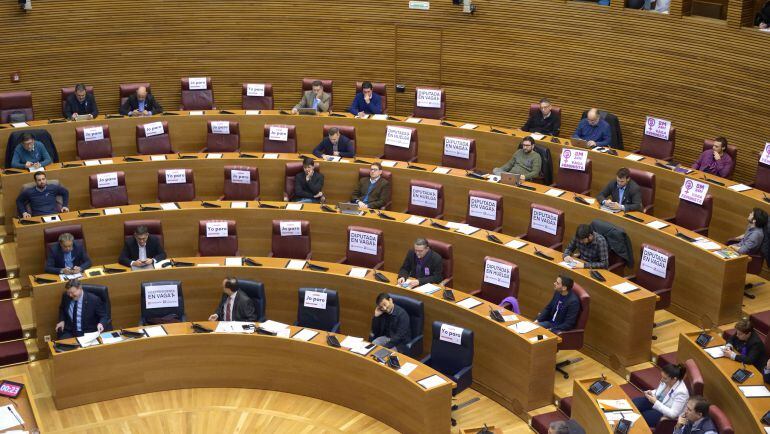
{"points": [[525, 162], [366, 102], [543, 121], [334, 145], [695, 418], [622, 194], [750, 242], [41, 198], [67, 257], [308, 187], [762, 19], [591, 249], [715, 161], [390, 324], [373, 192], [421, 265], [561, 313], [316, 99], [594, 130], [766, 372], [745, 346], [80, 103], [141, 251], [141, 104], [30, 154], [235, 305], [80, 312]]}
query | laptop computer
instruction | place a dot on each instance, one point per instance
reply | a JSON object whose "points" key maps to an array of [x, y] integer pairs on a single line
{"points": [[510, 178], [307, 111], [579, 143], [349, 208]]}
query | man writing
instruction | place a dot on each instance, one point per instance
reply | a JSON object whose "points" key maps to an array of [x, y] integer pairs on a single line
{"points": [[80, 312], [622, 194], [589, 246], [80, 104], [30, 154], [334, 145], [422, 265], [141, 103]]}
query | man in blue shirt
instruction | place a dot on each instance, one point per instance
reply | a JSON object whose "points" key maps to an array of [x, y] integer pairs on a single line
{"points": [[594, 130], [42, 198], [30, 154], [366, 102]]}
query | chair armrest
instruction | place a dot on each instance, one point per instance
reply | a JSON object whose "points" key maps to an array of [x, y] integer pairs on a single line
{"points": [[336, 328], [475, 292], [620, 266], [204, 150], [498, 229], [381, 157], [648, 209], [665, 426], [446, 282], [426, 360], [461, 373], [379, 265], [630, 277], [342, 261], [732, 241], [412, 160], [521, 236], [586, 192], [440, 216], [671, 219], [309, 255], [557, 246], [702, 231]]}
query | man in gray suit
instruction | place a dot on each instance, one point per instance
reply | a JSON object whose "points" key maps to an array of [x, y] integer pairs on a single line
{"points": [[315, 99], [622, 194], [235, 305]]}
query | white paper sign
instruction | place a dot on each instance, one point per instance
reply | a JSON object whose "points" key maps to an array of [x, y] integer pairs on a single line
{"points": [[216, 229], [157, 296], [545, 221], [429, 98], [654, 262], [422, 196], [498, 273], [655, 127], [220, 127], [315, 299], [574, 159], [694, 191], [457, 147], [482, 207], [240, 176], [398, 136], [291, 228], [175, 176], [363, 242], [279, 134], [153, 129], [197, 83], [765, 157], [255, 89], [93, 133], [451, 334], [105, 180]]}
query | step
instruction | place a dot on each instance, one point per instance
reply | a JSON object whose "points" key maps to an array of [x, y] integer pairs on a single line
{"points": [[32, 349], [14, 352], [11, 289], [23, 308], [10, 327], [8, 252]]}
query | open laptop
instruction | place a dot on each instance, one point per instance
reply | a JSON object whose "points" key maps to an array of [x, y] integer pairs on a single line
{"points": [[86, 117], [348, 208], [307, 111], [510, 178], [579, 143]]}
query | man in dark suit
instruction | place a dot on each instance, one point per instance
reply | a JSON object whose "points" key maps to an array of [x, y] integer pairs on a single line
{"points": [[544, 121], [67, 257], [235, 305], [562, 311], [372, 192], [421, 265], [308, 186], [80, 312], [141, 251], [334, 145], [390, 324], [141, 104], [80, 103], [745, 346], [622, 194], [695, 419]]}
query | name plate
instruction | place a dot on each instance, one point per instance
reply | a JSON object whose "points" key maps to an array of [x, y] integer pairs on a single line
{"points": [[93, 133], [429, 98], [158, 296], [422, 196], [654, 262], [291, 228], [197, 83], [105, 180], [482, 208], [498, 273], [765, 157], [240, 176], [153, 129], [457, 147], [315, 299], [279, 134], [398, 136], [545, 221], [176, 176], [216, 229], [655, 127], [451, 334], [574, 159], [220, 127], [255, 89], [363, 242], [694, 191]]}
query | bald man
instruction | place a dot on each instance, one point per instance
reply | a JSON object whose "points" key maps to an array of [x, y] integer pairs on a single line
{"points": [[141, 103], [594, 130]]}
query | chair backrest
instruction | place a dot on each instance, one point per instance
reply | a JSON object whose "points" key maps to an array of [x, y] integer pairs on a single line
{"points": [[423, 195], [456, 146], [277, 143], [256, 292], [158, 142], [424, 108], [448, 357], [290, 173], [176, 191], [365, 247], [312, 315], [416, 311], [14, 140], [762, 180], [51, 236], [198, 98], [393, 152], [67, 91], [541, 225], [255, 101], [328, 85], [217, 238], [241, 183], [19, 101], [345, 130], [444, 250], [721, 421], [692, 216], [693, 378], [291, 246], [365, 172], [658, 148], [128, 89], [485, 210], [162, 292], [103, 293], [648, 279], [108, 189], [154, 227], [646, 182], [573, 339], [223, 136], [95, 144], [380, 89], [576, 181], [500, 280], [732, 151]]}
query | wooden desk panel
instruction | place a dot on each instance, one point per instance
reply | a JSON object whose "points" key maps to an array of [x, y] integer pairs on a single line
{"points": [[586, 411]]}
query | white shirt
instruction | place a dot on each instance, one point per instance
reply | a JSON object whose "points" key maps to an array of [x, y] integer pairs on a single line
{"points": [[673, 402], [142, 252]]}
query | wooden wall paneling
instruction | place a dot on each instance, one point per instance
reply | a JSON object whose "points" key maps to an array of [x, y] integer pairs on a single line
{"points": [[418, 62]]}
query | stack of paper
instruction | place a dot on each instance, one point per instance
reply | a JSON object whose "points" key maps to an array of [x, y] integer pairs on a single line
{"points": [[233, 262], [51, 218], [467, 229], [442, 170], [155, 331], [624, 287], [468, 126], [107, 161], [657, 224], [522, 327], [715, 352], [305, 335], [168, 206], [213, 156], [469, 303], [92, 162], [431, 382], [363, 348], [555, 192], [351, 341], [88, 339], [273, 326], [707, 244], [536, 136], [739, 187], [252, 112], [428, 288], [111, 211], [380, 117], [157, 157], [407, 368]]}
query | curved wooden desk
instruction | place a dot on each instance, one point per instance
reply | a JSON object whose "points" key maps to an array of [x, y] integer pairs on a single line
{"points": [[586, 410], [185, 360], [720, 389], [507, 366]]}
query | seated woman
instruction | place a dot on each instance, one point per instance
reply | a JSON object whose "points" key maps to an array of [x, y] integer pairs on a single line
{"points": [[668, 400]]}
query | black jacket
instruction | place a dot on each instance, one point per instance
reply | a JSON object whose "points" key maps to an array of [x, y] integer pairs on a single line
{"points": [[395, 326], [55, 262], [536, 124], [304, 189], [130, 251], [432, 260], [344, 147], [94, 312], [243, 308], [566, 316], [755, 351], [88, 107], [132, 103], [618, 240], [632, 199]]}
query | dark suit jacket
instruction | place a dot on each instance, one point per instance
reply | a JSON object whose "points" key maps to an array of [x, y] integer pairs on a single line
{"points": [[343, 147], [632, 199], [755, 351], [395, 326], [304, 189], [72, 106], [94, 312], [379, 196], [536, 124], [132, 103], [617, 239], [130, 251], [55, 261], [566, 317], [432, 260], [243, 308]]}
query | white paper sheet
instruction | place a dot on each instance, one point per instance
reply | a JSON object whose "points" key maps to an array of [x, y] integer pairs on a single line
{"points": [[389, 163], [273, 326], [9, 417], [522, 327], [516, 244], [168, 206], [442, 170], [294, 206], [295, 264], [624, 287], [88, 339], [155, 331], [407, 368], [239, 204], [468, 126], [233, 262], [715, 352], [270, 156], [555, 192], [634, 157], [305, 335], [657, 224], [755, 391], [358, 272], [351, 341], [415, 220], [233, 327], [469, 303], [739, 187], [431, 382], [428, 288]]}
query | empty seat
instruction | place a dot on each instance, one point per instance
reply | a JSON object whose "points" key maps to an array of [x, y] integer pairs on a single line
{"points": [[290, 172], [429, 102], [241, 183], [646, 182], [576, 181], [172, 308], [485, 210], [459, 153], [93, 142], [279, 138], [10, 326], [108, 189], [447, 259], [658, 148], [16, 106], [657, 268], [380, 89], [328, 85], [222, 136], [426, 199], [318, 308], [176, 185], [257, 96], [500, 280], [400, 144], [762, 179], [541, 422], [546, 226], [217, 238], [365, 248], [694, 217], [197, 94], [291, 239], [128, 89], [153, 138]]}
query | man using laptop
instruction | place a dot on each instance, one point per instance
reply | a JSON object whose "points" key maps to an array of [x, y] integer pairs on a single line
{"points": [[525, 163], [315, 99], [594, 130], [372, 192]]}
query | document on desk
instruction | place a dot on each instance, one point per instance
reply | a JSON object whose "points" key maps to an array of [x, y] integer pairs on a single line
{"points": [[159, 265], [270, 156], [468, 126], [111, 338], [415, 220], [294, 206], [657, 224], [235, 327], [755, 391], [715, 352], [66, 277], [155, 331], [88, 339], [614, 416], [467, 229], [536, 136], [295, 264], [555, 192], [92, 162], [431, 382], [233, 262], [509, 318], [363, 348], [273, 326], [516, 244], [168, 206], [442, 170], [739, 187], [9, 417], [213, 156], [157, 157], [207, 264], [624, 287], [407, 368], [380, 117], [522, 327], [706, 244], [196, 113], [358, 272], [106, 161], [428, 288], [111, 211], [51, 218], [469, 303], [413, 120], [305, 335], [252, 112], [614, 404], [238, 204], [634, 157]]}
